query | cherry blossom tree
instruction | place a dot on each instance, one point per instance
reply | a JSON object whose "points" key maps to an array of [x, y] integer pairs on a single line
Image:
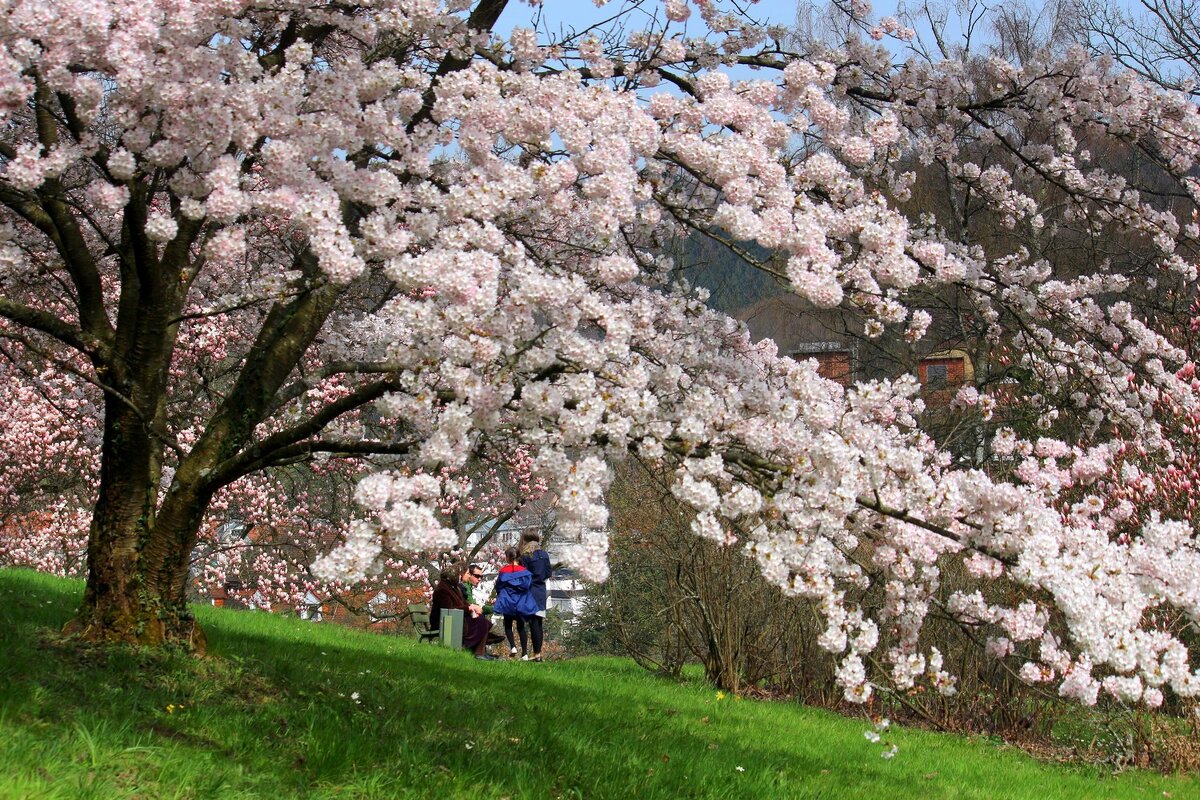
{"points": [[1147, 484], [404, 237], [49, 431]]}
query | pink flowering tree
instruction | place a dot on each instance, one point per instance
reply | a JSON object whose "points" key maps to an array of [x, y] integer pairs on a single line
{"points": [[1145, 485], [49, 433], [408, 240]]}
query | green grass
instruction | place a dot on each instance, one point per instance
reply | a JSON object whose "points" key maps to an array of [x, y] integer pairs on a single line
{"points": [[270, 714]]}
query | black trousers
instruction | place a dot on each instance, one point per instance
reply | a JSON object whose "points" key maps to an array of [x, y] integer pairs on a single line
{"points": [[510, 621], [535, 632]]}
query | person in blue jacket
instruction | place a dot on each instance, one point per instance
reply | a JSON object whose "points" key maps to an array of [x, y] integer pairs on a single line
{"points": [[514, 599], [537, 561]]}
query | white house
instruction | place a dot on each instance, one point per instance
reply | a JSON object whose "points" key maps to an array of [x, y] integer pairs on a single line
{"points": [[566, 592]]}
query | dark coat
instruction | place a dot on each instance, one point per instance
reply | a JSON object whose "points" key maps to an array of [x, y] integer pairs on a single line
{"points": [[450, 595], [538, 564], [445, 595], [513, 595]]}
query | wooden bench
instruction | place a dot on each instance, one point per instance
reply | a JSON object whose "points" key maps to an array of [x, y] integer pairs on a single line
{"points": [[448, 634], [419, 614]]}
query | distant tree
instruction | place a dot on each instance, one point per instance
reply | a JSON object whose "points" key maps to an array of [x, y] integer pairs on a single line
{"points": [[1158, 39]]}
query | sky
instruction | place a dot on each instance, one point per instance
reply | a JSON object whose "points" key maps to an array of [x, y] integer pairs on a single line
{"points": [[579, 14]]}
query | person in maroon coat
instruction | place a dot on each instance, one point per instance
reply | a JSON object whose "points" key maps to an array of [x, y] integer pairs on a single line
{"points": [[448, 593]]}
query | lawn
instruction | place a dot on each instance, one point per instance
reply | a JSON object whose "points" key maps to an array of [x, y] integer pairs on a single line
{"points": [[282, 708]]}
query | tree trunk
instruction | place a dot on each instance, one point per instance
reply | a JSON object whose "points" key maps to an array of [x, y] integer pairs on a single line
{"points": [[138, 561], [128, 600]]}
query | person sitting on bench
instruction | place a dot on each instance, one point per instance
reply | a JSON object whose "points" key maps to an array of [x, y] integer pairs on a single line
{"points": [[448, 593], [472, 575]]}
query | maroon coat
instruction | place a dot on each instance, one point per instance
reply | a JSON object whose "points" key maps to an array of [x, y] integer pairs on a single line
{"points": [[450, 595], [445, 595]]}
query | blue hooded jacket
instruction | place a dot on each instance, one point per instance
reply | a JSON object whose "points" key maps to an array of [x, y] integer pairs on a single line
{"points": [[513, 597]]}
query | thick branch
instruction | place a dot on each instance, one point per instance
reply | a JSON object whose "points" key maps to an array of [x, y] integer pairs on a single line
{"points": [[50, 325], [303, 451], [266, 451], [66, 234]]}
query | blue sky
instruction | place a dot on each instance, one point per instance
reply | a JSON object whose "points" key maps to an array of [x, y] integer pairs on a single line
{"points": [[580, 13]]}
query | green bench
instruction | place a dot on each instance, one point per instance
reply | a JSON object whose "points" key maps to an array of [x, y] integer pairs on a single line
{"points": [[419, 614], [449, 633]]}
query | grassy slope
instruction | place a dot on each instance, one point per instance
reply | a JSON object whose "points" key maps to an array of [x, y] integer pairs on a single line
{"points": [[271, 715]]}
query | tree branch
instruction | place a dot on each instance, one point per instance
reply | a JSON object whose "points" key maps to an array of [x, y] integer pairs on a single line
{"points": [[52, 326], [267, 451]]}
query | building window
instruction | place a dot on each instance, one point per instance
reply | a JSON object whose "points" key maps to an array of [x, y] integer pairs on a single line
{"points": [[937, 376]]}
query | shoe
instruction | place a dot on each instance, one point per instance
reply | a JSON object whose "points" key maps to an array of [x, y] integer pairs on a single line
{"points": [[538, 659], [486, 657], [512, 651], [525, 658]]}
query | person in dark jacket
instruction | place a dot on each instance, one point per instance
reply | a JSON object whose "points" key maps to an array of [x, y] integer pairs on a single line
{"points": [[537, 561], [514, 599], [448, 593]]}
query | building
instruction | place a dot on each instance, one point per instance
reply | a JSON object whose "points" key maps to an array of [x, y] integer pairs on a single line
{"points": [[803, 331], [942, 373], [834, 339], [835, 360], [566, 593]]}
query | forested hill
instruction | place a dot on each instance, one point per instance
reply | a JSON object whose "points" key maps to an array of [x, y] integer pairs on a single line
{"points": [[733, 284]]}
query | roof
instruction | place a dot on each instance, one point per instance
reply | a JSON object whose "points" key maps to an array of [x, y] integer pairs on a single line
{"points": [[796, 324]]}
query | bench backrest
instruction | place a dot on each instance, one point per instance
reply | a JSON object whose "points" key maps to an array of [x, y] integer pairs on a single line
{"points": [[419, 614]]}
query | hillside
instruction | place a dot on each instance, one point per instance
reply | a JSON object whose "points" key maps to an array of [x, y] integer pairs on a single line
{"points": [[731, 282], [282, 708]]}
